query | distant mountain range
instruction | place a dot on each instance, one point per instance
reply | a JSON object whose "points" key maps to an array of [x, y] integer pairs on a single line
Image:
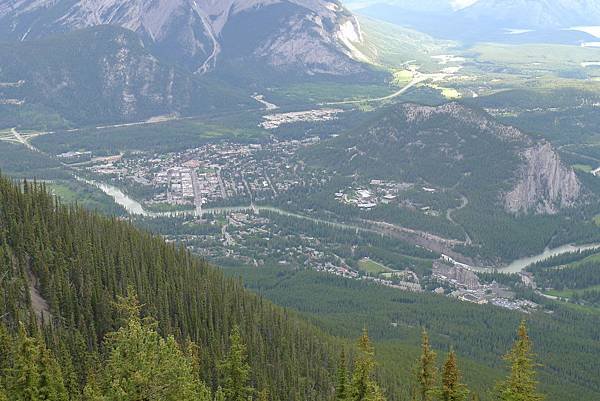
{"points": [[498, 20]]}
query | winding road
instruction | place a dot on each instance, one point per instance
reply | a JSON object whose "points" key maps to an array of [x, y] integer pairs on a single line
{"points": [[464, 203]]}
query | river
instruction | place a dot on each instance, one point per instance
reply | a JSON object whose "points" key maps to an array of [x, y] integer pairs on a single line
{"points": [[134, 207], [520, 264]]}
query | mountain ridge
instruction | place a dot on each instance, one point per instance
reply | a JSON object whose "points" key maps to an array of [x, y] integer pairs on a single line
{"points": [[190, 32]]}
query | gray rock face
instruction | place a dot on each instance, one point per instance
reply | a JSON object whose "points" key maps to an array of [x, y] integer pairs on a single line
{"points": [[319, 39], [104, 74], [544, 184]]}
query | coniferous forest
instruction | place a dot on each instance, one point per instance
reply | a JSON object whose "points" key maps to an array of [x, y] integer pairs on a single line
{"points": [[94, 309]]}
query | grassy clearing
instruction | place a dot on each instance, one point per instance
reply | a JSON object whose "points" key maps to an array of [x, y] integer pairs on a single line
{"points": [[313, 93], [371, 267], [583, 168], [448, 93], [85, 195], [402, 77]]}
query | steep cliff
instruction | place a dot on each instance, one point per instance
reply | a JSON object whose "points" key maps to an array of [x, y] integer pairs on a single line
{"points": [[545, 185], [453, 147]]}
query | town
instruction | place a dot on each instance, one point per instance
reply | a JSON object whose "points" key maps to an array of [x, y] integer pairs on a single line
{"points": [[227, 185], [219, 174]]}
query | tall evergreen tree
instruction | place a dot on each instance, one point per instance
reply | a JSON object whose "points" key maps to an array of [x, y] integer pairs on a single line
{"points": [[235, 370], [263, 395], [3, 396], [521, 383], [35, 374], [363, 386], [92, 391], [143, 366], [341, 388], [24, 378], [219, 395], [452, 389], [52, 386], [426, 370]]}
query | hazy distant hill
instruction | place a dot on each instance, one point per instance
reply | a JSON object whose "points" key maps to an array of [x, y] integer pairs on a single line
{"points": [[497, 20]]}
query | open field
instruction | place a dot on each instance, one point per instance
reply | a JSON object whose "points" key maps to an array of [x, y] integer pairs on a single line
{"points": [[164, 136], [314, 93], [568, 293], [370, 266], [85, 195]]}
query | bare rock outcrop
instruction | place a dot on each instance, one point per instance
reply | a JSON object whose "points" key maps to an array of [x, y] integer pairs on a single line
{"points": [[318, 36], [545, 185]]}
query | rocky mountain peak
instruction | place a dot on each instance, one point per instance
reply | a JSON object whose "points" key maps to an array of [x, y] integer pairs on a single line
{"points": [[316, 35]]}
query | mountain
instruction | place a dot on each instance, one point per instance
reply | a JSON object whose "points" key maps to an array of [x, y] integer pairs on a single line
{"points": [[103, 74], [510, 21], [451, 145], [108, 61], [456, 173], [63, 270], [313, 36], [539, 14]]}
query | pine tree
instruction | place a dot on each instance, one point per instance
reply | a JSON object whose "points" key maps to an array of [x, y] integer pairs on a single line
{"points": [[263, 395], [452, 389], [52, 386], [235, 370], [521, 384], [35, 374], [92, 391], [363, 385], [341, 389], [3, 396], [219, 394], [426, 370], [142, 365], [24, 378]]}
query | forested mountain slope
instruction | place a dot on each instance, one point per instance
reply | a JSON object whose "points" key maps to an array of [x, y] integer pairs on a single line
{"points": [[507, 179], [64, 268], [67, 275], [103, 74]]}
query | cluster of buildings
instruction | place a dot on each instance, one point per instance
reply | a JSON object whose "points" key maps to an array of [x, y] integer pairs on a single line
{"points": [[214, 174], [377, 192], [74, 157], [274, 121], [465, 285]]}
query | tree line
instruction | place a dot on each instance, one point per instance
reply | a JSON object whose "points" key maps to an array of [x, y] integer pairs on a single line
{"points": [[435, 384]]}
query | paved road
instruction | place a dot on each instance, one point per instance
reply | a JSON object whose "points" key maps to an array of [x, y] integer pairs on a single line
{"points": [[415, 81]]}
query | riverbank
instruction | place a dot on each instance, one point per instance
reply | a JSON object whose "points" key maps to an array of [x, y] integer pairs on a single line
{"points": [[135, 208]]}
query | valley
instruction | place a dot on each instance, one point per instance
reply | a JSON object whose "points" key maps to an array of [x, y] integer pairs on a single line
{"points": [[296, 171]]}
